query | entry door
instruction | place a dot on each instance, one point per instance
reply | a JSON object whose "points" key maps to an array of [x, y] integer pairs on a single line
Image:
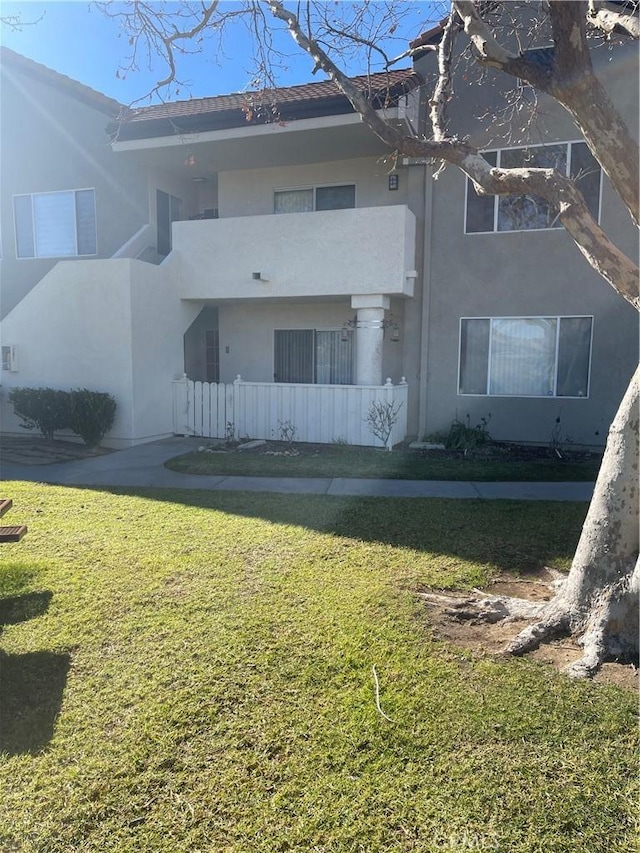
{"points": [[168, 210]]}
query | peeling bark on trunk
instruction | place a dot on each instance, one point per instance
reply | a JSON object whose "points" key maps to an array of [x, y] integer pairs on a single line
{"points": [[599, 600]]}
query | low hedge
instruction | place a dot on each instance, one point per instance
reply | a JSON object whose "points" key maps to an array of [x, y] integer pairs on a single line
{"points": [[89, 414]]}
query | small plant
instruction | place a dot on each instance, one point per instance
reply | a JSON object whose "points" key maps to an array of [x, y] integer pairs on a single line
{"points": [[339, 441], [92, 415], [381, 418], [462, 436], [230, 433], [287, 431], [558, 440], [46, 409]]}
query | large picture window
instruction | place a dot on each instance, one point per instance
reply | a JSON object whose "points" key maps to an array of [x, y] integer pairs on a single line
{"points": [[486, 214], [525, 356], [340, 197], [312, 355], [55, 225]]}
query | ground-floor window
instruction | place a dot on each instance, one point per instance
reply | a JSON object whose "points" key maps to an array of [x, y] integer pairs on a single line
{"points": [[525, 356], [212, 355], [313, 355]]}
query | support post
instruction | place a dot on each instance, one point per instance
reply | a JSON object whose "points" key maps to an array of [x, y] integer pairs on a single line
{"points": [[369, 337]]}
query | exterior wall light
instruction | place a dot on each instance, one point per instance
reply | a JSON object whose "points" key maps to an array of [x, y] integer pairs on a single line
{"points": [[394, 181], [394, 334]]}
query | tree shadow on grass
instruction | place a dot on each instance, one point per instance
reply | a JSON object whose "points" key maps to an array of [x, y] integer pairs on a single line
{"points": [[32, 689], [31, 684], [511, 535]]}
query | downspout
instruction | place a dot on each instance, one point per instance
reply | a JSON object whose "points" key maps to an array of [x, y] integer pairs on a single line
{"points": [[426, 301]]}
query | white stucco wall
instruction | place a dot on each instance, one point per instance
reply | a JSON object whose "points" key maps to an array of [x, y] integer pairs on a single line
{"points": [[114, 326], [328, 253], [158, 321]]}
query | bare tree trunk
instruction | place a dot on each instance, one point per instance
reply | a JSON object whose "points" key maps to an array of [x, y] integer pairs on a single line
{"points": [[598, 602]]}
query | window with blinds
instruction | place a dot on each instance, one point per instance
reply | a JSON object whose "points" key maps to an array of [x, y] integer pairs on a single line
{"points": [[305, 200], [313, 356], [525, 356], [56, 224]]}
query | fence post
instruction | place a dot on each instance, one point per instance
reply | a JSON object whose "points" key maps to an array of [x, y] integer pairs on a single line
{"points": [[234, 397], [181, 400]]}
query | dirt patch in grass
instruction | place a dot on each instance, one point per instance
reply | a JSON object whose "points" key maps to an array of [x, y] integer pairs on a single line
{"points": [[486, 639], [36, 450]]}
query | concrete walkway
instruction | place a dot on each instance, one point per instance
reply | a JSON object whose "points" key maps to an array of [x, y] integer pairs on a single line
{"points": [[144, 466]]}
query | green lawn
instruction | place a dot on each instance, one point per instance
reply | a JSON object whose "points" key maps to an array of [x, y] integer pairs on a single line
{"points": [[191, 672], [345, 461]]}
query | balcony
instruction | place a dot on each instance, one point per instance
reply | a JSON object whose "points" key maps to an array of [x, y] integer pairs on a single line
{"points": [[327, 254]]}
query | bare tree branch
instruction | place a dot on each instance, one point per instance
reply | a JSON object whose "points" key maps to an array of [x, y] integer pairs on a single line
{"points": [[609, 18], [614, 266], [442, 92]]}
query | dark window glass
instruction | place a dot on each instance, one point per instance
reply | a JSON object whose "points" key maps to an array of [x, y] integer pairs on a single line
{"points": [[474, 356], [585, 170], [212, 355], [163, 218], [86, 222], [336, 198], [526, 212], [480, 208], [573, 357]]}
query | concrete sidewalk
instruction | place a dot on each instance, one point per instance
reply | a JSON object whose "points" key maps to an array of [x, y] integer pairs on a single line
{"points": [[144, 466]]}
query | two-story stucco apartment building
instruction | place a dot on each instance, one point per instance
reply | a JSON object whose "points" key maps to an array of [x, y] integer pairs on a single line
{"points": [[202, 237]]}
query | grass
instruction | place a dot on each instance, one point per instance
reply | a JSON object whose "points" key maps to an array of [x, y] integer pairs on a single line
{"points": [[192, 671], [341, 461]]}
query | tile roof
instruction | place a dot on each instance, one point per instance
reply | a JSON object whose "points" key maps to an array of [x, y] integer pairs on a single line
{"points": [[394, 83], [10, 59]]}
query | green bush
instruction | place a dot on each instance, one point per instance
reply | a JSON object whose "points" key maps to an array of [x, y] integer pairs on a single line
{"points": [[463, 436], [43, 408], [92, 415]]}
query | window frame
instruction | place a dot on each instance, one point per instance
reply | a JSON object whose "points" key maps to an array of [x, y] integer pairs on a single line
{"points": [[36, 257], [313, 188], [553, 396], [497, 151], [314, 355]]}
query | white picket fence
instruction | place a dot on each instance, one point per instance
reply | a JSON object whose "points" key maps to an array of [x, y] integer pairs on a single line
{"points": [[316, 413]]}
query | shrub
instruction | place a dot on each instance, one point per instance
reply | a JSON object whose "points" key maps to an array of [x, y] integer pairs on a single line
{"points": [[92, 415], [465, 437], [381, 418], [43, 408]]}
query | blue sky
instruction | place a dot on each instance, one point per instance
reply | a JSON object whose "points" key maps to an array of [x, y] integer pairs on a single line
{"points": [[76, 39]]}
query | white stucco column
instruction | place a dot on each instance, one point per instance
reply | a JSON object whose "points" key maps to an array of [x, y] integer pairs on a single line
{"points": [[369, 337]]}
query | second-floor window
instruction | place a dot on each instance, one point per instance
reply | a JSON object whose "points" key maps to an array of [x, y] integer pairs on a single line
{"points": [[306, 199], [486, 214], [55, 224]]}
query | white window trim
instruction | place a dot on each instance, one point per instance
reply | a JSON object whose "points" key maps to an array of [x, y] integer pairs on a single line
{"points": [[315, 187], [34, 257], [557, 317], [498, 151]]}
